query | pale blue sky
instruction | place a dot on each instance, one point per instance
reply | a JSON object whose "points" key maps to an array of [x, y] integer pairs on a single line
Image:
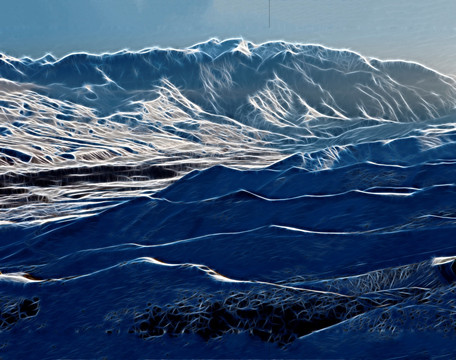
{"points": [[420, 30]]}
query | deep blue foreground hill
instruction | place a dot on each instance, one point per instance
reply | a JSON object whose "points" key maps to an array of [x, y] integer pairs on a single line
{"points": [[229, 200]]}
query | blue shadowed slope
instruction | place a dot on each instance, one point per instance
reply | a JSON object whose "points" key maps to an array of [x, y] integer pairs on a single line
{"points": [[270, 201]]}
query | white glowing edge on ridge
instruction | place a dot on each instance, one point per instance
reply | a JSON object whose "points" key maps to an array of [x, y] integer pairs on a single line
{"points": [[442, 260], [192, 49]]}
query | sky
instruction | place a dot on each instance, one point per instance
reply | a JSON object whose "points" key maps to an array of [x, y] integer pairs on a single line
{"points": [[417, 30]]}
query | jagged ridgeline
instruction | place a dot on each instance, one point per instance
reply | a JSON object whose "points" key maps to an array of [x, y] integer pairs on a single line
{"points": [[211, 98], [227, 200], [137, 121]]}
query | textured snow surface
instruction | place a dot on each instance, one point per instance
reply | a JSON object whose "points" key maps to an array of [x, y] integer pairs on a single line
{"points": [[227, 200]]}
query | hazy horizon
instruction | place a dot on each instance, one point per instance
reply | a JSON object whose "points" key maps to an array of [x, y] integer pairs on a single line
{"points": [[410, 30]]}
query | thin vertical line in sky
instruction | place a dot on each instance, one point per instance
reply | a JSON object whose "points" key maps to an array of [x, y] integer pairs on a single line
{"points": [[269, 13]]}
